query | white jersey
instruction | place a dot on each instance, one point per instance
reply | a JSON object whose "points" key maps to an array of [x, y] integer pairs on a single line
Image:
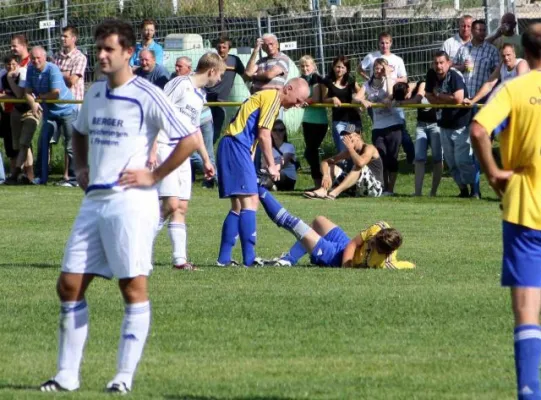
{"points": [[121, 125], [505, 74], [188, 99]]}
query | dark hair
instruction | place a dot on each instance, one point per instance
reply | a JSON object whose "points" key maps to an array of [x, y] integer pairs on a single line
{"points": [[478, 22], [20, 38], [148, 21], [400, 90], [279, 121], [223, 39], [388, 240], [71, 29], [384, 35], [346, 78], [126, 37], [441, 53], [531, 41], [10, 57]]}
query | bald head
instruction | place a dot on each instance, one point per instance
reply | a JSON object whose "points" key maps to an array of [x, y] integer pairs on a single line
{"points": [[531, 42], [294, 93], [38, 57], [147, 60]]}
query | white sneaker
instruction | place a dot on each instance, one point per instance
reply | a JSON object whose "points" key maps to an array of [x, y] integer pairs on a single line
{"points": [[117, 387], [53, 386], [280, 262]]}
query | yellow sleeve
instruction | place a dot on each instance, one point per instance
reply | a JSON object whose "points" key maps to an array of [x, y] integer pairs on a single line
{"points": [[373, 229], [270, 106], [392, 263], [494, 116]]}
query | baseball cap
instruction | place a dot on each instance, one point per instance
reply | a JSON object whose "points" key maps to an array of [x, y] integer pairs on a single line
{"points": [[348, 130]]}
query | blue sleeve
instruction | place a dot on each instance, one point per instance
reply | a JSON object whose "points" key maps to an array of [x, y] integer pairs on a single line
{"points": [[158, 51], [56, 80]]}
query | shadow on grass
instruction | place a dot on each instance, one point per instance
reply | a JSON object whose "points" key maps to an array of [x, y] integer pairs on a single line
{"points": [[11, 386], [195, 397], [30, 265]]}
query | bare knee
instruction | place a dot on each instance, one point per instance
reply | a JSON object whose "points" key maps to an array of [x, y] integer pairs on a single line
{"points": [[72, 287], [526, 305], [134, 290], [320, 224]]}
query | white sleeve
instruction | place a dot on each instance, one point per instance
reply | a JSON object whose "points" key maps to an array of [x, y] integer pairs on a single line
{"points": [[366, 63], [175, 89], [22, 77], [81, 123], [401, 70], [164, 116]]}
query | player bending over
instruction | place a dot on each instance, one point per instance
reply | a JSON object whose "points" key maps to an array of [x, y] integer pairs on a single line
{"points": [[328, 244]]}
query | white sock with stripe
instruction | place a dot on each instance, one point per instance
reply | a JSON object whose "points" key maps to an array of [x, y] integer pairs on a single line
{"points": [[178, 236]]}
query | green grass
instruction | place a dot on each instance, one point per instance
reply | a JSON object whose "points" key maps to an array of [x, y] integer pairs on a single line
{"points": [[441, 331]]}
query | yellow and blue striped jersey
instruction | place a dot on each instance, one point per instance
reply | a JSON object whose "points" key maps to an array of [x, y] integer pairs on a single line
{"points": [[514, 113], [260, 110], [366, 256]]}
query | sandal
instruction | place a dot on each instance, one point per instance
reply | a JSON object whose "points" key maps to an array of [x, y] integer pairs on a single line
{"points": [[313, 195], [330, 197]]}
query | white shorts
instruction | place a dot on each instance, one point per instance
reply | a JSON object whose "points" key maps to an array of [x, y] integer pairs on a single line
{"points": [[179, 182], [113, 237]]}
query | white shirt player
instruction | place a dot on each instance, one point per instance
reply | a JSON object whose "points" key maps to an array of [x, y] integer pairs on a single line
{"points": [[121, 125], [188, 100]]}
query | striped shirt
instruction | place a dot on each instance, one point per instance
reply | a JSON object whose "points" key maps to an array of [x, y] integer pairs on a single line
{"points": [[75, 63], [121, 125], [50, 78], [267, 63], [485, 59]]}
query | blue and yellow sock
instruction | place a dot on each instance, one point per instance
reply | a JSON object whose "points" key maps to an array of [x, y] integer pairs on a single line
{"points": [[527, 358], [230, 232], [248, 235]]}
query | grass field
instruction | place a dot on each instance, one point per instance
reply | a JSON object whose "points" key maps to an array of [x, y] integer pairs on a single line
{"points": [[442, 331]]}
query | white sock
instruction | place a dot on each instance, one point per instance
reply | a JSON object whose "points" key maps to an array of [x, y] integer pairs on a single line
{"points": [[72, 337], [178, 236], [132, 340]]}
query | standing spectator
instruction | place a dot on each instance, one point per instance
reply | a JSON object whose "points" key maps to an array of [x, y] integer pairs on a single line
{"points": [[44, 81], [505, 34], [269, 72], [220, 92], [150, 70], [23, 124], [284, 156], [148, 29], [454, 43], [426, 134], [72, 64], [449, 88], [10, 64], [511, 67], [340, 87], [398, 74], [183, 66], [511, 115], [477, 59], [314, 120], [387, 122]]}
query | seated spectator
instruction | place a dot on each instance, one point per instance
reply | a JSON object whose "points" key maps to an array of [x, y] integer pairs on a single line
{"points": [[361, 171], [387, 122], [510, 68], [148, 30], [340, 87], [284, 155], [150, 70], [427, 134]]}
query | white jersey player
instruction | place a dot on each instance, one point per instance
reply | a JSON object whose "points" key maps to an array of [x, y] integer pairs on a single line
{"points": [[113, 234], [188, 96]]}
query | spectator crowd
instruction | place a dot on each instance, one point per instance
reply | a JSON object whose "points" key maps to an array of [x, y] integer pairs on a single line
{"points": [[463, 73]]}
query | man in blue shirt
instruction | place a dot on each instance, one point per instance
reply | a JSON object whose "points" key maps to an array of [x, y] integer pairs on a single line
{"points": [[148, 29], [150, 70], [44, 81]]}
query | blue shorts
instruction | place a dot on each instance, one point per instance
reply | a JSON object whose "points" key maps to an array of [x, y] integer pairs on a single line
{"points": [[235, 169], [330, 249], [521, 264]]}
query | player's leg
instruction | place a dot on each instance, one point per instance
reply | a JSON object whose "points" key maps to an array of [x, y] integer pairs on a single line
{"points": [[248, 227], [520, 271], [230, 233], [178, 235], [350, 180]]}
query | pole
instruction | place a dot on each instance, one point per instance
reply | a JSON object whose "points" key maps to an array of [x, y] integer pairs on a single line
{"points": [[319, 38], [457, 5], [65, 21], [221, 15], [259, 32], [49, 41], [175, 6]]}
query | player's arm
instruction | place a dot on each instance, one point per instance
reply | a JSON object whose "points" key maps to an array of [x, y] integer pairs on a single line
{"points": [[152, 161], [79, 143], [265, 144], [486, 88], [181, 152], [349, 251], [207, 164]]}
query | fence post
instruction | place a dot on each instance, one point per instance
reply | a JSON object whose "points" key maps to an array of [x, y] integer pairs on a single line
{"points": [[65, 20], [457, 5], [319, 37], [221, 15], [49, 41], [175, 6], [121, 5]]}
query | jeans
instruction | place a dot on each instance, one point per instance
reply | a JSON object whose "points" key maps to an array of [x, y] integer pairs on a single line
{"points": [[458, 155], [65, 124], [207, 130], [218, 116], [426, 134], [339, 126], [2, 171]]}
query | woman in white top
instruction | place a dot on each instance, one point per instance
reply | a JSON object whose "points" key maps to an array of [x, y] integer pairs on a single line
{"points": [[511, 67], [386, 122], [284, 155]]}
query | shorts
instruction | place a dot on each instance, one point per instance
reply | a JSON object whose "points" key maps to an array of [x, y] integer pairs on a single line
{"points": [[113, 237], [23, 127], [367, 185], [179, 182], [521, 265], [329, 250], [236, 169]]}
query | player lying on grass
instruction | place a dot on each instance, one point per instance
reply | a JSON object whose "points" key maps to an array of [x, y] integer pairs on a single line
{"points": [[328, 244]]}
